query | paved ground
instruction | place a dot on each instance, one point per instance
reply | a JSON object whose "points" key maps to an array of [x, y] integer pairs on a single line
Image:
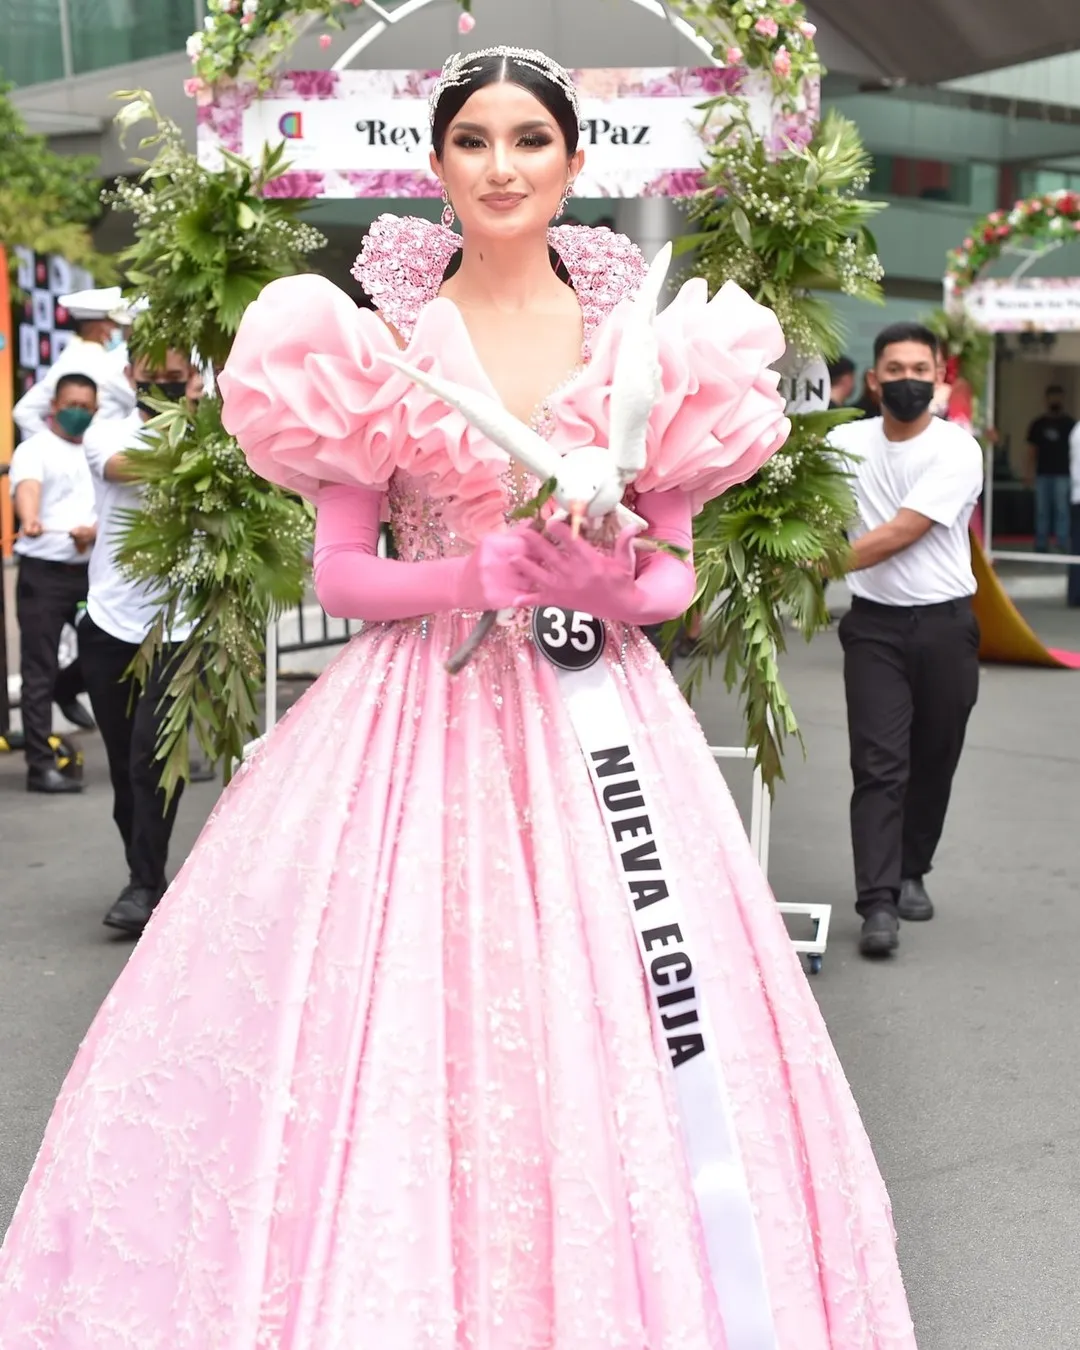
{"points": [[962, 1053]]}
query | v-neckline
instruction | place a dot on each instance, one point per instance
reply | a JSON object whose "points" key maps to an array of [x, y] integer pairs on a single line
{"points": [[558, 389]]}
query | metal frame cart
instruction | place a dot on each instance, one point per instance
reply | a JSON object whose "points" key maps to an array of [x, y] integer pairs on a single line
{"points": [[760, 826]]}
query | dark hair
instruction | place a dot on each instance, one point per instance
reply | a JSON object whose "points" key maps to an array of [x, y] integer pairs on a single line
{"points": [[74, 381], [496, 70], [904, 332], [843, 365], [141, 347]]}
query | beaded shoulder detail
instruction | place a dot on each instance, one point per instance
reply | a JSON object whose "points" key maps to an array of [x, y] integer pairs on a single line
{"points": [[404, 258]]}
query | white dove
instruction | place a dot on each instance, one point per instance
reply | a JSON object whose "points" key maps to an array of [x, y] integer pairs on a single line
{"points": [[589, 481]]}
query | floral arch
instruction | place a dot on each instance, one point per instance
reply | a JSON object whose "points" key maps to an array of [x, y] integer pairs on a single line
{"points": [[1033, 227], [786, 219]]}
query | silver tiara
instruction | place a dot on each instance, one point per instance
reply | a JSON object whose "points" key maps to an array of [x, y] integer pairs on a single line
{"points": [[459, 68]]}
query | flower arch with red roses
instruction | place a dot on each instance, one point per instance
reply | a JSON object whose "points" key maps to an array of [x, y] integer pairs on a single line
{"points": [[1050, 219]]}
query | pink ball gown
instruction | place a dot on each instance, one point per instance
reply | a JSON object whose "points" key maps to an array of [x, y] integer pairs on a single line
{"points": [[382, 1071]]}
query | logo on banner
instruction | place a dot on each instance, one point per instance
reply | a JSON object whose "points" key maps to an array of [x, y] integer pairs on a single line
{"points": [[291, 126]]}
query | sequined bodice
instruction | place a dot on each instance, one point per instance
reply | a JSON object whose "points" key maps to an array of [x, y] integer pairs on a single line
{"points": [[402, 267], [418, 523], [418, 520]]}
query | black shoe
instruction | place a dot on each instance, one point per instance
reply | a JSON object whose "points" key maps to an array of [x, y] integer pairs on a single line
{"points": [[51, 780], [133, 908], [914, 903], [880, 933], [77, 715]]}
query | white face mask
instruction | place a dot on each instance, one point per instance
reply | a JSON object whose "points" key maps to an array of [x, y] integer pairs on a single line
{"points": [[114, 340]]}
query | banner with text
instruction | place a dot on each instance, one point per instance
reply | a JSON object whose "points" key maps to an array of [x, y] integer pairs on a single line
{"points": [[364, 133], [1033, 304]]}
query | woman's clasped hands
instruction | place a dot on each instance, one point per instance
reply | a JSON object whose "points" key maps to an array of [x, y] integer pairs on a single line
{"points": [[525, 567]]}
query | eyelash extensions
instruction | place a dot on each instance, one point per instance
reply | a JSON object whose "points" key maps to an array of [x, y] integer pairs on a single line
{"points": [[532, 141]]}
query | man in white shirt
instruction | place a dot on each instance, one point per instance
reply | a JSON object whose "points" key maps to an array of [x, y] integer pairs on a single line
{"points": [[119, 615], [96, 350], [1074, 498], [910, 639], [54, 500]]}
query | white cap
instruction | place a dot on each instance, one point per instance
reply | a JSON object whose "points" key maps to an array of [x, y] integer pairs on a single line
{"points": [[97, 304], [127, 311]]}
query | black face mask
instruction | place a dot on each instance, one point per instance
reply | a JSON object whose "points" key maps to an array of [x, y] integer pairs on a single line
{"points": [[173, 390], [907, 400]]}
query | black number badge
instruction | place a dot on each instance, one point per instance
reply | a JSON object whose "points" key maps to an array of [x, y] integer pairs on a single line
{"points": [[567, 638]]}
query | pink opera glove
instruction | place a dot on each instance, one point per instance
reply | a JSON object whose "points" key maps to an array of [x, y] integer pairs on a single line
{"points": [[627, 586], [496, 574], [353, 582]]}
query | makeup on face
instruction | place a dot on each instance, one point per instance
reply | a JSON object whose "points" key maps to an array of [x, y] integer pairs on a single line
{"points": [[505, 160]]}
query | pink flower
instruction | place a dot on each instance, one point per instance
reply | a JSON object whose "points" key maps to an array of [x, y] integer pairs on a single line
{"points": [[787, 3], [194, 86], [808, 30], [767, 27], [969, 242], [247, 20], [733, 55], [675, 183], [782, 63], [324, 40], [466, 23], [295, 184]]}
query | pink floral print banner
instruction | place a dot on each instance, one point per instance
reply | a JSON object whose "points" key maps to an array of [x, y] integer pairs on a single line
{"points": [[364, 133]]}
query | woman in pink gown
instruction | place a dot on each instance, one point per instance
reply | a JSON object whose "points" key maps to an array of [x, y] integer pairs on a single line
{"points": [[385, 1070]]}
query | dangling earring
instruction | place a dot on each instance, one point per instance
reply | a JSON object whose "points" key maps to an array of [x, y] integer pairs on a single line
{"points": [[448, 216], [565, 199]]}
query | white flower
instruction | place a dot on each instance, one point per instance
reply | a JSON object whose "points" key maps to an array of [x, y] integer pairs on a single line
{"points": [[250, 6], [195, 46], [208, 23]]}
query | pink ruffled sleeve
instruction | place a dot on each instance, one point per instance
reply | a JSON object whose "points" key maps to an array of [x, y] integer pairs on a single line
{"points": [[304, 391], [720, 416], [309, 398]]}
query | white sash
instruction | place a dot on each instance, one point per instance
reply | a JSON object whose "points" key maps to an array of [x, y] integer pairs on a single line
{"points": [[665, 940]]}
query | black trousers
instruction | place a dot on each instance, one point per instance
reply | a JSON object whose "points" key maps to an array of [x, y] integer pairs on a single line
{"points": [[46, 596], [129, 718], [912, 679], [1074, 570]]}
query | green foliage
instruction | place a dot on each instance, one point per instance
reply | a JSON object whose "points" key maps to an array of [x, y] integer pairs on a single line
{"points": [[220, 545], [235, 44], [785, 226], [773, 36], [226, 552], [762, 551], [206, 243], [962, 338], [47, 201]]}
